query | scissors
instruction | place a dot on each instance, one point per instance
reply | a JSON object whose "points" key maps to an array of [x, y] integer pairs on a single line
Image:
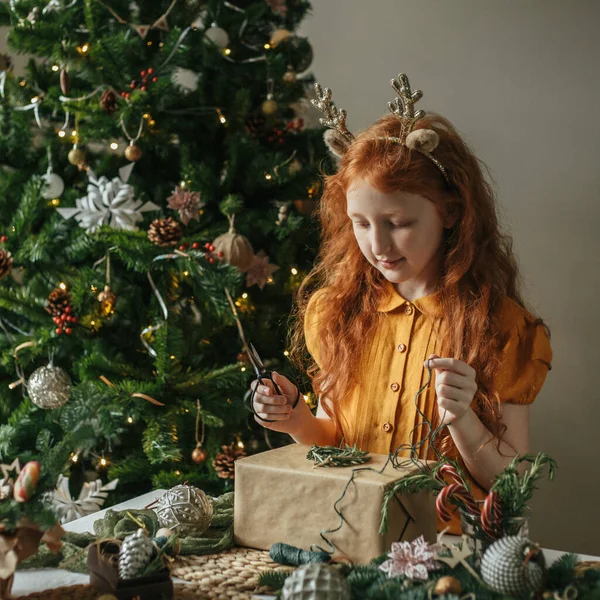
{"points": [[262, 373]]}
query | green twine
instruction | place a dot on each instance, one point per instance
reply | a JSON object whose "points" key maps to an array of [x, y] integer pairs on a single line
{"points": [[284, 554]]}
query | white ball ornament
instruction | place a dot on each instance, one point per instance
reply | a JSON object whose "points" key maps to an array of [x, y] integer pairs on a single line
{"points": [[185, 509], [54, 185], [217, 36], [316, 581]]}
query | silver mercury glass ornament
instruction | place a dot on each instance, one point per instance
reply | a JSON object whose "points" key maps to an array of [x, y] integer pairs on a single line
{"points": [[49, 387]]}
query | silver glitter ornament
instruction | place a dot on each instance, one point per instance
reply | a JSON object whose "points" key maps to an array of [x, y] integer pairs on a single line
{"points": [[316, 581], [135, 554], [49, 387], [514, 566], [186, 510]]}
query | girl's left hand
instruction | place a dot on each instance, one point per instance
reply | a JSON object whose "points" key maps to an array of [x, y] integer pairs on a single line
{"points": [[455, 387]]}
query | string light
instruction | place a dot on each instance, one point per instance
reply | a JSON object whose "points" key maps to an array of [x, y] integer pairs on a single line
{"points": [[83, 49], [55, 68], [114, 145], [221, 116], [62, 285], [243, 369], [227, 51], [74, 133], [74, 458], [267, 46], [130, 420], [178, 473], [103, 462], [244, 295], [240, 444], [294, 271], [61, 133], [22, 83], [268, 176], [149, 43], [186, 273], [286, 353], [172, 357], [93, 289], [35, 99], [55, 202]]}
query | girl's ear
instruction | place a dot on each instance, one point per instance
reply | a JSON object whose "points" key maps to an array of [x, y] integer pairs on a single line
{"points": [[336, 143]]}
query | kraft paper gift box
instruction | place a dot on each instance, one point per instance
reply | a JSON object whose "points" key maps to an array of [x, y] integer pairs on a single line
{"points": [[280, 496]]}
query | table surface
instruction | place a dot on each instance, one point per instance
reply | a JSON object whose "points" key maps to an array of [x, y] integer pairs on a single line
{"points": [[36, 580]]}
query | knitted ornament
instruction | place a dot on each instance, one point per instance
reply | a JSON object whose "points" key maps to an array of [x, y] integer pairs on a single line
{"points": [[316, 581], [165, 232], [514, 566], [6, 263], [134, 555], [186, 510], [236, 248]]}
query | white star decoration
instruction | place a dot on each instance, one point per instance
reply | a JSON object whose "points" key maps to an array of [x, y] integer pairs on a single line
{"points": [[108, 203]]}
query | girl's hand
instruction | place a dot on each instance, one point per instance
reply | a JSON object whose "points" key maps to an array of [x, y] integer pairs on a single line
{"points": [[278, 408], [455, 387]]}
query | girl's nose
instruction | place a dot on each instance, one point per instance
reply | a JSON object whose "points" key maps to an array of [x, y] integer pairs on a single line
{"points": [[380, 243]]}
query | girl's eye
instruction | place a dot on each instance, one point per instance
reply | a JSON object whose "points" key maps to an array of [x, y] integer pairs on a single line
{"points": [[400, 225], [362, 225]]}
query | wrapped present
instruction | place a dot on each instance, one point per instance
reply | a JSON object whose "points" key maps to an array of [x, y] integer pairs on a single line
{"points": [[280, 496]]}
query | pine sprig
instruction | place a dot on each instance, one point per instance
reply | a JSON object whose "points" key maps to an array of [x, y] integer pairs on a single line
{"points": [[333, 456]]}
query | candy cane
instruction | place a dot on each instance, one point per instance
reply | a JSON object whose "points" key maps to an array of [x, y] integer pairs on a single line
{"points": [[442, 500], [491, 515], [451, 472]]}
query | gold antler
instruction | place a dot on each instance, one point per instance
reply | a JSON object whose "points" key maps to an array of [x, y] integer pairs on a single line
{"points": [[404, 106], [334, 118]]}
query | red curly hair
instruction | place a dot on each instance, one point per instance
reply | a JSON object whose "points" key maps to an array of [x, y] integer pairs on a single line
{"points": [[479, 268]]}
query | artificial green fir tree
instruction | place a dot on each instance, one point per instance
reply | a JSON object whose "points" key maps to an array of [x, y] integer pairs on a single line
{"points": [[155, 156]]}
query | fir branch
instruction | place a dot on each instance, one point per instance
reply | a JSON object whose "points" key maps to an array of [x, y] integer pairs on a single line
{"points": [[332, 456], [273, 579]]}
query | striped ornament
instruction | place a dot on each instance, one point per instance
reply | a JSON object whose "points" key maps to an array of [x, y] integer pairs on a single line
{"points": [[27, 481]]}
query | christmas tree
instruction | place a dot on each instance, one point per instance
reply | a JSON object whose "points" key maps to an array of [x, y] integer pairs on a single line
{"points": [[157, 159]]}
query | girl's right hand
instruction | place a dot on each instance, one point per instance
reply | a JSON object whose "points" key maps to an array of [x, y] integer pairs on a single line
{"points": [[277, 408]]}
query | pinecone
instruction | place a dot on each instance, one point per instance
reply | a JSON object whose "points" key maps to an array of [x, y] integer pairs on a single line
{"points": [[58, 301], [165, 232], [255, 126], [108, 102], [135, 554], [6, 262], [224, 461]]}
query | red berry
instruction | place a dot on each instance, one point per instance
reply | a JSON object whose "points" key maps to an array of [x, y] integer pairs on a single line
{"points": [[211, 260], [56, 320], [143, 88], [143, 73], [58, 331], [182, 247], [74, 319], [154, 79], [4, 239], [132, 85], [68, 309], [220, 255], [150, 71], [62, 318], [195, 245], [128, 95], [68, 331]]}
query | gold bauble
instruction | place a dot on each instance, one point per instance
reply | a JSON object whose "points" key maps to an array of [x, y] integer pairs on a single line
{"points": [[76, 156], [107, 301], [279, 36], [133, 153], [199, 455], [448, 585], [269, 107], [236, 249]]}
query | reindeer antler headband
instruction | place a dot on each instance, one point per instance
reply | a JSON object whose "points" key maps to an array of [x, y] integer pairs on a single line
{"points": [[338, 138]]}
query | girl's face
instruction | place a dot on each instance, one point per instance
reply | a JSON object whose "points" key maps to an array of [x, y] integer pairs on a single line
{"points": [[399, 233]]}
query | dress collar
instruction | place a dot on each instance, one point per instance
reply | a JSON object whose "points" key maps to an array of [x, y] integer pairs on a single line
{"points": [[429, 305]]}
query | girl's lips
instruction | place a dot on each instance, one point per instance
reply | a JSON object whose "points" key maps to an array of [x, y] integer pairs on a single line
{"points": [[388, 265]]}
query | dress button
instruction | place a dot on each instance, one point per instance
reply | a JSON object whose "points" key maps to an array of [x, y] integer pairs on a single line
{"points": [[408, 310], [387, 427], [395, 387], [401, 348]]}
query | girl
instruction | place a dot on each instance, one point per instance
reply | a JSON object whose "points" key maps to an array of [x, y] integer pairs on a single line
{"points": [[412, 268]]}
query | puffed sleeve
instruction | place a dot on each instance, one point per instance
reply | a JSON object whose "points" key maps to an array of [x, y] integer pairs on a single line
{"points": [[525, 360], [311, 326]]}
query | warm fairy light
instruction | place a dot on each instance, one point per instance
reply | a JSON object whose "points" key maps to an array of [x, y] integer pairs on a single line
{"points": [[61, 133], [22, 83], [240, 444], [62, 285], [103, 462], [187, 410], [186, 273], [182, 183], [268, 176], [152, 122], [243, 369], [270, 280], [74, 133], [35, 99], [294, 271], [146, 115], [55, 202], [85, 48], [161, 44], [114, 145], [130, 420], [286, 353], [92, 323], [267, 46], [93, 289], [227, 51], [244, 295], [223, 119], [149, 43], [305, 398], [74, 458], [55, 68], [177, 473], [172, 357]]}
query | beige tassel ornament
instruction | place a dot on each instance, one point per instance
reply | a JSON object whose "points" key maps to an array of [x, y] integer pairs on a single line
{"points": [[236, 248]]}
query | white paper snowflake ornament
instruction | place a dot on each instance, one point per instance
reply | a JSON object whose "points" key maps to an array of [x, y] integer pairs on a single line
{"points": [[109, 202]]}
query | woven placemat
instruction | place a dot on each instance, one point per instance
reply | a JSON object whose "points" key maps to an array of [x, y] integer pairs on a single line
{"points": [[231, 575]]}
